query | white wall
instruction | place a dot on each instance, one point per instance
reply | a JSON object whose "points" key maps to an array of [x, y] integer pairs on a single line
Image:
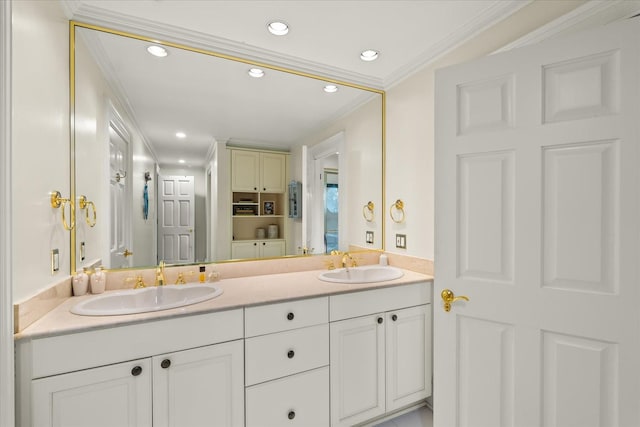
{"points": [[94, 100], [40, 146]]}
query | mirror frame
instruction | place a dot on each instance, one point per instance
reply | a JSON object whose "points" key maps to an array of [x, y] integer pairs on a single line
{"points": [[72, 131]]}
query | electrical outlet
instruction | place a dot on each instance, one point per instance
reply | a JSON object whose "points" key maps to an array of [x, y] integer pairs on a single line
{"points": [[55, 261], [369, 237], [82, 251], [401, 241]]}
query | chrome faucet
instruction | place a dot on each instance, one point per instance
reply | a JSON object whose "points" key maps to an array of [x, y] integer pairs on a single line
{"points": [[160, 278]]}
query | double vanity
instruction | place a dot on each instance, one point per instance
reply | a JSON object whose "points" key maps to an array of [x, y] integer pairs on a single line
{"points": [[270, 350]]}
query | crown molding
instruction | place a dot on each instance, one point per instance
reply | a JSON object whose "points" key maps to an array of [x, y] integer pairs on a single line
{"points": [[499, 11], [90, 14], [592, 13]]}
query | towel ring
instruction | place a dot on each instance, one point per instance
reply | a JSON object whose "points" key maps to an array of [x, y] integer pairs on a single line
{"points": [[399, 207], [57, 201], [367, 211], [83, 203]]}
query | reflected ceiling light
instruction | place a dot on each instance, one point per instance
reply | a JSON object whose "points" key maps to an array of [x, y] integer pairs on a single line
{"points": [[181, 135], [256, 72], [278, 28], [158, 51], [369, 55], [181, 161], [331, 88]]}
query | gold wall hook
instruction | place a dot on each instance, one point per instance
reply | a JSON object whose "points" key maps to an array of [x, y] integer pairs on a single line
{"points": [[367, 211], [398, 206], [85, 204], [57, 201]]}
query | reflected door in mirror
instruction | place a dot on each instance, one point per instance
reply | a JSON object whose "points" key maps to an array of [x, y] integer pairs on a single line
{"points": [[176, 219]]}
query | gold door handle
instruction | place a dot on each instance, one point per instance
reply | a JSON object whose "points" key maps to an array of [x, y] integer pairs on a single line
{"points": [[127, 253], [448, 297]]}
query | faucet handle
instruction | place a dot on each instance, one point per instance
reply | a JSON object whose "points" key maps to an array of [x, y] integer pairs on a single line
{"points": [[329, 264], [139, 281], [180, 279]]}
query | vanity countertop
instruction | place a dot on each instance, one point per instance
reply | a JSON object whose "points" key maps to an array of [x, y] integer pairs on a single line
{"points": [[238, 293]]}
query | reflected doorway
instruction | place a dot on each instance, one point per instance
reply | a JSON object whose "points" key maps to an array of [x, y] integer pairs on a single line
{"points": [[331, 208]]}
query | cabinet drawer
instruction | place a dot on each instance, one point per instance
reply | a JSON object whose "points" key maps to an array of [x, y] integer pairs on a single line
{"points": [[299, 400], [273, 356], [355, 304], [266, 319]]}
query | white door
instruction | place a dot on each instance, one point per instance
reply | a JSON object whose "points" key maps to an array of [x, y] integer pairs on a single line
{"points": [[120, 214], [537, 222], [200, 387], [114, 395], [176, 219]]}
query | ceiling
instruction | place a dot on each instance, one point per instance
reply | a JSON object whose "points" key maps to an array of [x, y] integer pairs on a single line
{"points": [[325, 38]]}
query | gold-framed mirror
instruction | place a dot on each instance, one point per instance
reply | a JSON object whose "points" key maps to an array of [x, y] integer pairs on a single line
{"points": [[128, 109]]}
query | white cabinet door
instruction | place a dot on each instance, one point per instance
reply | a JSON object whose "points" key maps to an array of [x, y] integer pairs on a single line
{"points": [[245, 171], [271, 249], [114, 395], [408, 356], [246, 249], [357, 353], [202, 386], [272, 173]]}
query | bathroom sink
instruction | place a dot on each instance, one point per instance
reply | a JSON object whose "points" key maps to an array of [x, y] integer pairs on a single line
{"points": [[363, 274], [144, 300]]}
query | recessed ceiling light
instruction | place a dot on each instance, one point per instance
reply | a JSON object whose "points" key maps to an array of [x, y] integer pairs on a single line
{"points": [[278, 28], [369, 55], [181, 161], [331, 88], [158, 51], [256, 72], [181, 135]]}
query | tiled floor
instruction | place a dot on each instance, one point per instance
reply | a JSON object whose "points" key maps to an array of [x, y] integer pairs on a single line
{"points": [[422, 417]]}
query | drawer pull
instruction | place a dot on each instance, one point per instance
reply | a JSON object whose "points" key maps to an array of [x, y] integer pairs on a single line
{"points": [[165, 363], [394, 317], [137, 370], [291, 415], [380, 320], [290, 354], [290, 316]]}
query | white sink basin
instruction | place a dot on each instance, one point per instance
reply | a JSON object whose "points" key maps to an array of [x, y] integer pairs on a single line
{"points": [[363, 274], [144, 300]]}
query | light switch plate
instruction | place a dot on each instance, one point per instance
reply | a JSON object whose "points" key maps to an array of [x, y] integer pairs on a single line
{"points": [[401, 241], [369, 237], [55, 261]]}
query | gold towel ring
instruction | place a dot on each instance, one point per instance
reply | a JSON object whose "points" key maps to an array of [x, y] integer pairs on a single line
{"points": [[83, 203], [57, 201], [367, 211], [399, 206]]}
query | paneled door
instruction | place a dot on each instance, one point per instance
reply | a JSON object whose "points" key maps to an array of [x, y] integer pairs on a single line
{"points": [[119, 191], [538, 225], [176, 219]]}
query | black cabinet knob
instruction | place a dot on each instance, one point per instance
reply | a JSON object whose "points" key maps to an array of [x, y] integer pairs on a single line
{"points": [[264, 243], [380, 320], [290, 354], [291, 415], [264, 189], [394, 317], [255, 244], [165, 363], [290, 316], [137, 370], [255, 188]]}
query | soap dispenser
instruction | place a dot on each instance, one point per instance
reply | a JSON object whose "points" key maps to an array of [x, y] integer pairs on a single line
{"points": [[80, 283], [98, 280]]}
